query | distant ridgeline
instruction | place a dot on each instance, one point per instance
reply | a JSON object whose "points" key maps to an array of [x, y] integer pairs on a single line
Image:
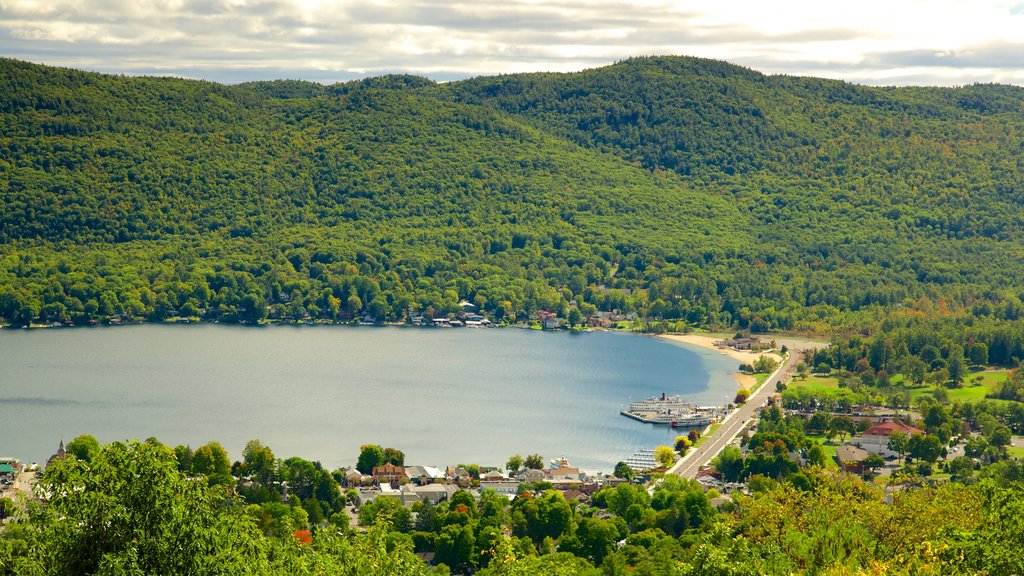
{"points": [[676, 188]]}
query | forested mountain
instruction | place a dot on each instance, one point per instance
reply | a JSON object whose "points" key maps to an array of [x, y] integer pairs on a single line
{"points": [[679, 188]]}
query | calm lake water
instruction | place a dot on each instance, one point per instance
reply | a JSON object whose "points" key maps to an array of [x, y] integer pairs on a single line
{"points": [[443, 396]]}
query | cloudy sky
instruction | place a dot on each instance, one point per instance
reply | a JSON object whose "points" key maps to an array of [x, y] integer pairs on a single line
{"points": [[944, 42]]}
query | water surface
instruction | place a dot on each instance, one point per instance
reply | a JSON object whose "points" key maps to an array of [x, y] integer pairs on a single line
{"points": [[443, 396]]}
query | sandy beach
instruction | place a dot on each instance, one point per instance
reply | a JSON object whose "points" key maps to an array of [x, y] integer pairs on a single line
{"points": [[742, 357]]}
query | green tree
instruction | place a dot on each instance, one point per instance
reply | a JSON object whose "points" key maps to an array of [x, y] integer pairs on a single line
{"points": [[394, 456], [534, 462], [898, 443], [978, 354], [816, 455], [622, 470], [874, 461], [258, 462], [211, 460], [370, 456], [514, 464], [130, 511], [83, 447], [730, 464]]}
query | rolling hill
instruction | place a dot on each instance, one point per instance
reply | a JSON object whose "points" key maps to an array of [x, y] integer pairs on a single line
{"points": [[675, 187]]}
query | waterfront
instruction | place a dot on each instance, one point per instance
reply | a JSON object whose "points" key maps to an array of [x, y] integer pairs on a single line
{"points": [[442, 396]]}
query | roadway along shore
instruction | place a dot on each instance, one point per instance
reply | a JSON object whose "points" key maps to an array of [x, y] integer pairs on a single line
{"points": [[733, 424]]}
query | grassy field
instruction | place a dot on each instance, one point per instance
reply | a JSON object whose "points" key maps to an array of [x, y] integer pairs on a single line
{"points": [[815, 383], [976, 385]]}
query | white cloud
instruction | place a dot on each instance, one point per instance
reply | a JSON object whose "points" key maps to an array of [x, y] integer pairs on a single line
{"points": [[873, 41]]}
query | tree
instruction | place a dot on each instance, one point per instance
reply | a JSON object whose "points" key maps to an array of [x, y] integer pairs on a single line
{"points": [[211, 460], [1000, 436], [682, 444], [622, 470], [534, 462], [978, 354], [898, 443], [915, 370], [874, 461], [514, 464], [765, 364], [729, 463], [574, 317], [183, 454], [956, 369], [370, 456], [394, 456], [816, 455], [925, 447], [258, 462], [83, 447], [129, 507], [741, 396], [961, 469], [664, 455], [841, 426], [454, 547]]}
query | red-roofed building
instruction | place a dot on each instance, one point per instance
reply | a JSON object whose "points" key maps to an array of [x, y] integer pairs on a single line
{"points": [[876, 438]]}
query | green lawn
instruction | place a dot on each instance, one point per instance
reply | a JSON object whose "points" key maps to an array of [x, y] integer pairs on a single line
{"points": [[975, 387], [815, 383], [829, 448], [707, 433]]}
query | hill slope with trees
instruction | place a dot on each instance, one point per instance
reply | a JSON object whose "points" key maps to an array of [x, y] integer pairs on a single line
{"points": [[678, 188]]}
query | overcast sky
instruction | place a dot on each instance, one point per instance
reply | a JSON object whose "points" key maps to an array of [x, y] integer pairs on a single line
{"points": [[942, 42]]}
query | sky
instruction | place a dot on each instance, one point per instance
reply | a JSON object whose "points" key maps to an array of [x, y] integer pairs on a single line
{"points": [[877, 42]]}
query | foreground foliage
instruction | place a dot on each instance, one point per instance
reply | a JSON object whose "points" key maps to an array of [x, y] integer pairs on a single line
{"points": [[128, 510]]}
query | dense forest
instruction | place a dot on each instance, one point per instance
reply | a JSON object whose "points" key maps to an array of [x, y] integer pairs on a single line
{"points": [[677, 188]]}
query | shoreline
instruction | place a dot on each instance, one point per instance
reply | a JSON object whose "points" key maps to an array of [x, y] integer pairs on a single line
{"points": [[707, 342]]}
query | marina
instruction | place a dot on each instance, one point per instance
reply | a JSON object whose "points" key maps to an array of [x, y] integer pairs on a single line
{"points": [[674, 411]]}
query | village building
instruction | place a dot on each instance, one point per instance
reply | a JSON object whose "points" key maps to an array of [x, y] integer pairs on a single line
{"points": [[388, 474], [505, 486], [876, 438], [60, 455], [564, 471], [851, 458], [423, 475]]}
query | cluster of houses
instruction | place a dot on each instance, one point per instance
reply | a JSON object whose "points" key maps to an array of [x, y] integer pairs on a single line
{"points": [[412, 484], [469, 317]]}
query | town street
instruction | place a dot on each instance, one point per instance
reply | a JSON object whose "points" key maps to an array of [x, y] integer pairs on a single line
{"points": [[733, 424]]}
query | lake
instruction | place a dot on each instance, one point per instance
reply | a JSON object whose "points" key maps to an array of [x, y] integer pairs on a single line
{"points": [[443, 396]]}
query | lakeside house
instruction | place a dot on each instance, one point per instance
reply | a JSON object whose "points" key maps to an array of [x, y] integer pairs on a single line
{"points": [[549, 320]]}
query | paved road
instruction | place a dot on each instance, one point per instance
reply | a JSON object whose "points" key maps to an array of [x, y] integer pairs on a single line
{"points": [[733, 423]]}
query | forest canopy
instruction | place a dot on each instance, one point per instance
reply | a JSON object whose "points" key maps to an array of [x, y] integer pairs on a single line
{"points": [[677, 188]]}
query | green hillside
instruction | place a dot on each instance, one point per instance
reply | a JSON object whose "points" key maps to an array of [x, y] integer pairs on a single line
{"points": [[678, 188]]}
